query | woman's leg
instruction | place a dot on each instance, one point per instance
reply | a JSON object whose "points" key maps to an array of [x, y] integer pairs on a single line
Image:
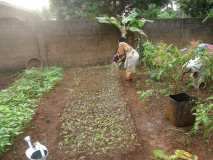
{"points": [[130, 65], [128, 75]]}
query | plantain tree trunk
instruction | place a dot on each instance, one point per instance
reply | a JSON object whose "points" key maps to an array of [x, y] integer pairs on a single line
{"points": [[123, 31]]}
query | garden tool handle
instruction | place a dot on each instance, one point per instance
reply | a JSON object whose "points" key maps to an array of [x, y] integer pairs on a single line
{"points": [[28, 140]]}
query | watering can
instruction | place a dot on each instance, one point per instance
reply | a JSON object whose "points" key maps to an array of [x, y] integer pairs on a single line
{"points": [[35, 151]]}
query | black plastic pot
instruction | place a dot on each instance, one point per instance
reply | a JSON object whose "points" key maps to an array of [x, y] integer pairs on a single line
{"points": [[179, 111]]}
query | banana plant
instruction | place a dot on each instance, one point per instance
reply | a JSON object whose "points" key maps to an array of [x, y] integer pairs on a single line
{"points": [[209, 15], [128, 21]]}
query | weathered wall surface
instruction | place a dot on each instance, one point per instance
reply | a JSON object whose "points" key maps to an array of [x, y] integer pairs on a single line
{"points": [[10, 11], [81, 43], [18, 37], [17, 44], [180, 31], [68, 44]]}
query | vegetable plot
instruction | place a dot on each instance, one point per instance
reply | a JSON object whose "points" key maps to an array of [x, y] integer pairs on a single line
{"points": [[18, 102]]}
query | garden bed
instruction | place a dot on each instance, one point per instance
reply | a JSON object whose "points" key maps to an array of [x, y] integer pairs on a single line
{"points": [[87, 117], [86, 110], [18, 102], [96, 121], [154, 131]]}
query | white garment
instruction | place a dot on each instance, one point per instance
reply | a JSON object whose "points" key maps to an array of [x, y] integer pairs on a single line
{"points": [[194, 65], [132, 58]]}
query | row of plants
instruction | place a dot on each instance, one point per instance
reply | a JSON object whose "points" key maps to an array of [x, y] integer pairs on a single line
{"points": [[204, 118], [18, 102], [162, 60], [164, 63]]}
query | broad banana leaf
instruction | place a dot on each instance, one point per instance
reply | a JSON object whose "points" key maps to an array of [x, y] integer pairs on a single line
{"points": [[109, 20], [136, 23], [131, 17], [135, 29]]}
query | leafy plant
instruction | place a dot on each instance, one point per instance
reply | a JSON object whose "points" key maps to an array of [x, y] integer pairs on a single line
{"points": [[196, 8], [207, 69], [204, 118], [156, 12], [18, 102], [167, 14], [66, 9], [165, 62], [128, 21], [162, 60], [178, 155], [209, 15], [145, 94]]}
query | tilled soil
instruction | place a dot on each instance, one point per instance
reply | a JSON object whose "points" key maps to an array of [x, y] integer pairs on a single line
{"points": [[96, 123], [85, 117]]}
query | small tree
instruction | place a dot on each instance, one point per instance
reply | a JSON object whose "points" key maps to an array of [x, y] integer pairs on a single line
{"points": [[209, 15], [196, 8], [128, 21]]}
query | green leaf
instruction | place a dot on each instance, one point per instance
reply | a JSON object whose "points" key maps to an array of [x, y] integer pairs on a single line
{"points": [[18, 102], [160, 154], [109, 20], [135, 29]]}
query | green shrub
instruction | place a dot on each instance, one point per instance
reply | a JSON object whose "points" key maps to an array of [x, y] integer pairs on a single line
{"points": [[204, 118], [18, 102], [156, 12], [207, 69], [163, 60]]}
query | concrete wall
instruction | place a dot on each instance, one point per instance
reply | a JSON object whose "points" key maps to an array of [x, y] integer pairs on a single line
{"points": [[180, 31], [82, 43], [9, 11], [18, 37], [79, 43], [17, 44], [68, 44]]}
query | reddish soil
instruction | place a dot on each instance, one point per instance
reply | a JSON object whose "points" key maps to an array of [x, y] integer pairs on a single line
{"points": [[45, 124], [6, 80], [153, 130]]}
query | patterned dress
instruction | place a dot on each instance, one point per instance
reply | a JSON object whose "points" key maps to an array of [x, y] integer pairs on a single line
{"points": [[132, 56]]}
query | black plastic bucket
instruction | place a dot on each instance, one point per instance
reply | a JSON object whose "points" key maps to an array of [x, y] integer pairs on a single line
{"points": [[179, 111]]}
